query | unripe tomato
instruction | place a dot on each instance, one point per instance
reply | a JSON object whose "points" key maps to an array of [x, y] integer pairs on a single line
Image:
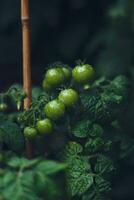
{"points": [[67, 72], [54, 76], [3, 106], [44, 126], [82, 73], [54, 109], [30, 132], [46, 85], [68, 96]]}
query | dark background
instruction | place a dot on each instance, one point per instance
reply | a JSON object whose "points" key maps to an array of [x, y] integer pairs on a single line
{"points": [[60, 30], [64, 31]]}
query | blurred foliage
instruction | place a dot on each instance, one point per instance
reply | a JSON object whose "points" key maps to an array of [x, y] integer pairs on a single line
{"points": [[116, 40], [29, 179], [116, 43]]}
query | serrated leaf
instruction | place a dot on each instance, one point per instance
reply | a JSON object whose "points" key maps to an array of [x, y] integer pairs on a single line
{"points": [[78, 172], [93, 145], [78, 164], [99, 190], [80, 185], [81, 129], [102, 102], [73, 148], [96, 131], [103, 186], [104, 165], [85, 182]]}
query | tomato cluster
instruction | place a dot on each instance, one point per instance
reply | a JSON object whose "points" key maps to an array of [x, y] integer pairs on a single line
{"points": [[55, 78]]}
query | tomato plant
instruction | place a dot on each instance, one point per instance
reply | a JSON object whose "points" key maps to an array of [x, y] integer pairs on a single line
{"points": [[77, 121]]}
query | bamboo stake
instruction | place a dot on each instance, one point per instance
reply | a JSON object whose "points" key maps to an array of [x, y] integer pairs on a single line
{"points": [[26, 63]]}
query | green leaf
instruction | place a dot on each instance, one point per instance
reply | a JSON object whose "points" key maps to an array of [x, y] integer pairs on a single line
{"points": [[22, 187], [40, 182], [30, 179], [99, 190], [93, 145], [102, 185], [8, 178], [80, 185], [72, 149], [12, 135], [78, 173], [81, 128], [17, 162], [104, 165], [52, 190], [50, 167], [103, 101], [96, 131]]}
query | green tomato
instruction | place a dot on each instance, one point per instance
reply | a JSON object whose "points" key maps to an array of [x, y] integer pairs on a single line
{"points": [[30, 132], [44, 126], [67, 72], [3, 106], [54, 76], [54, 109], [82, 73], [68, 96], [46, 85]]}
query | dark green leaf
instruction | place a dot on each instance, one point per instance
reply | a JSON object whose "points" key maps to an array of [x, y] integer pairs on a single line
{"points": [[104, 165], [13, 137], [81, 128]]}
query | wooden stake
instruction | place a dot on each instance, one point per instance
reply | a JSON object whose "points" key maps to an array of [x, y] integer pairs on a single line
{"points": [[26, 52], [26, 63]]}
